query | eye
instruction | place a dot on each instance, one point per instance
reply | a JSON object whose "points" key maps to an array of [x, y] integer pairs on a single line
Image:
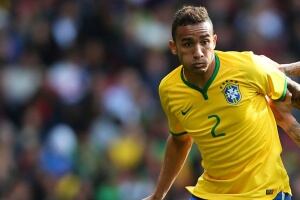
{"points": [[205, 42], [187, 44]]}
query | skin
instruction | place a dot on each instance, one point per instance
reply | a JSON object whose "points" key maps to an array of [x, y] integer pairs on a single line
{"points": [[291, 69], [294, 88], [177, 150], [284, 118], [194, 45]]}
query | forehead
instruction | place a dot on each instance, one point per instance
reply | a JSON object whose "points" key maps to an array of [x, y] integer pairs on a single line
{"points": [[194, 30]]}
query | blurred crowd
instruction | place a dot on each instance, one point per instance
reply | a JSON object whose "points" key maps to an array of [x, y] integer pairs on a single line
{"points": [[80, 117]]}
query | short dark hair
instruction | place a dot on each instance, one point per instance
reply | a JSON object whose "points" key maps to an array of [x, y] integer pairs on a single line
{"points": [[189, 15]]}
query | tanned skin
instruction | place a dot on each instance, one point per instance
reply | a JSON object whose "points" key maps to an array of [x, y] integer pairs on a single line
{"points": [[292, 69], [284, 118]]}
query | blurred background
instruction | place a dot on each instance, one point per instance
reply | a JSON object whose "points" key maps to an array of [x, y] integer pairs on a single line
{"points": [[80, 117]]}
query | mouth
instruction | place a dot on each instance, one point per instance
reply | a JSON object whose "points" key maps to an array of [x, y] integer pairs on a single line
{"points": [[199, 65]]}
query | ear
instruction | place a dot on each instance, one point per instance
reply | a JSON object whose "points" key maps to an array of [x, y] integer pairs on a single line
{"points": [[172, 47], [215, 38]]}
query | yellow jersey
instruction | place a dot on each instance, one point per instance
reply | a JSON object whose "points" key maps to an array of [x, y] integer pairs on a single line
{"points": [[232, 124]]}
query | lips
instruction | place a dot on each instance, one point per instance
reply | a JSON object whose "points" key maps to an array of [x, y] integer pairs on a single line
{"points": [[199, 64]]}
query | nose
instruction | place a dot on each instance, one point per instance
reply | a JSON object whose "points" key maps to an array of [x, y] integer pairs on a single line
{"points": [[198, 52]]}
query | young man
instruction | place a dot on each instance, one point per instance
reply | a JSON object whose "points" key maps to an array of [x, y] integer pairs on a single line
{"points": [[219, 100]]}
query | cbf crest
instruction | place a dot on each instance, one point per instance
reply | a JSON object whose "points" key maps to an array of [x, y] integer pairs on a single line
{"points": [[231, 92]]}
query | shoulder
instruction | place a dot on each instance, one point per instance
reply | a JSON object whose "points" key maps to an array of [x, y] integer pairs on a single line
{"points": [[170, 79], [245, 61], [235, 56], [245, 57]]}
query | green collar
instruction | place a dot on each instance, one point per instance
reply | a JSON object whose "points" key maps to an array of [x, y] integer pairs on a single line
{"points": [[203, 90]]}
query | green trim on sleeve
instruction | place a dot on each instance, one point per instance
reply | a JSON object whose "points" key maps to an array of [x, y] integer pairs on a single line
{"points": [[284, 92], [177, 134]]}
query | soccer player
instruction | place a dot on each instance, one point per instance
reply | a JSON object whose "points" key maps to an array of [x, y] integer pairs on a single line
{"points": [[223, 102]]}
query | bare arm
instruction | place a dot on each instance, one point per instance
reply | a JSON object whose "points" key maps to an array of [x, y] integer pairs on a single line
{"points": [[177, 150], [294, 88], [284, 118], [291, 69], [292, 128]]}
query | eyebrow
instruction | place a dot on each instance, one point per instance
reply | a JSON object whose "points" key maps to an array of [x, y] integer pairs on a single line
{"points": [[188, 38], [205, 36]]}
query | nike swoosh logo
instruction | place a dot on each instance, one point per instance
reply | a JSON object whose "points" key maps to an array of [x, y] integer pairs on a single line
{"points": [[186, 111]]}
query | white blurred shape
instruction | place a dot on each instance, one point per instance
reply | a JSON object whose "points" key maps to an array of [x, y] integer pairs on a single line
{"points": [[19, 84], [67, 80], [119, 102], [62, 140], [269, 24], [103, 133], [64, 31]]}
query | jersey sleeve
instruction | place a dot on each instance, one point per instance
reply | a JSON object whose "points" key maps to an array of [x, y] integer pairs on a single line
{"points": [[270, 81], [175, 127]]}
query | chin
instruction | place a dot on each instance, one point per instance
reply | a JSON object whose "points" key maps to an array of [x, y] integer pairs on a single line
{"points": [[201, 70]]}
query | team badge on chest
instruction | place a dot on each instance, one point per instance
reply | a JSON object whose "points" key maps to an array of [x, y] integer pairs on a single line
{"points": [[231, 92]]}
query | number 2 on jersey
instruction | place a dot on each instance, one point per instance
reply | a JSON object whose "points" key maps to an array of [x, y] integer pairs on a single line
{"points": [[213, 129]]}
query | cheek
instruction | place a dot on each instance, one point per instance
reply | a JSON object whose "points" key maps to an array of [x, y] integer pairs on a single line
{"points": [[186, 52], [213, 45], [181, 58], [210, 50], [185, 57], [210, 54]]}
